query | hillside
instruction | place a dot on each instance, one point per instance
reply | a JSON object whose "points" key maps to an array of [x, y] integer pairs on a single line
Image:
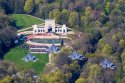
{"points": [[17, 54], [99, 27], [24, 21]]}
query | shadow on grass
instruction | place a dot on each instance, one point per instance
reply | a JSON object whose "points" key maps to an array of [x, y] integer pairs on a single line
{"points": [[13, 23]]}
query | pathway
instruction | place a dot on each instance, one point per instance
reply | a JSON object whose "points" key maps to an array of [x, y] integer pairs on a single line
{"points": [[27, 28], [24, 29]]}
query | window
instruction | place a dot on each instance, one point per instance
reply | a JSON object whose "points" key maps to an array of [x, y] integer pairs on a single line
{"points": [[64, 31], [38, 30]]}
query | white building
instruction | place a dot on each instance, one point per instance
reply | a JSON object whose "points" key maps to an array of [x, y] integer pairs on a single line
{"points": [[50, 26]]}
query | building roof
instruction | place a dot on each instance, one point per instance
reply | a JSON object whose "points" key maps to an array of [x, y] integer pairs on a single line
{"points": [[75, 56], [107, 64], [53, 48], [30, 57]]}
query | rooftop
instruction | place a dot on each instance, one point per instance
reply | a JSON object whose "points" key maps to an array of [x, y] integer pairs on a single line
{"points": [[76, 55]]}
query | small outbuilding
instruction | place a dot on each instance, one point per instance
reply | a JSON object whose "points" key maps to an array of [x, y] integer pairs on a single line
{"points": [[107, 64], [54, 49], [30, 57], [76, 55]]}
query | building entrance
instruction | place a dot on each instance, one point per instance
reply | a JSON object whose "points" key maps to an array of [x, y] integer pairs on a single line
{"points": [[49, 29]]}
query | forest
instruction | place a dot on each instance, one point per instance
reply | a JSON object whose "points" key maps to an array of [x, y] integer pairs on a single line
{"points": [[100, 34]]}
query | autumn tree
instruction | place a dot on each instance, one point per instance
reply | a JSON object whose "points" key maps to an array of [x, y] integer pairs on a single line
{"points": [[123, 60], [94, 70], [56, 77], [73, 19], [38, 1], [107, 7], [80, 80], [107, 49], [64, 16], [29, 6], [122, 43], [88, 11], [55, 14]]}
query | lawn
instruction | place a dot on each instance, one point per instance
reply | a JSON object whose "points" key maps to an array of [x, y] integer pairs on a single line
{"points": [[16, 55], [24, 21]]}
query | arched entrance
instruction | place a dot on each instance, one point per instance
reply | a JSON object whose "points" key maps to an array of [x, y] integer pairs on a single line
{"points": [[49, 29]]}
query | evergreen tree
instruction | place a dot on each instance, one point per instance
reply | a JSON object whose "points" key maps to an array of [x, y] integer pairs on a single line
{"points": [[62, 42]]}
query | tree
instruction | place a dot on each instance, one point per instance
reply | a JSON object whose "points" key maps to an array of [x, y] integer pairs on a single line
{"points": [[29, 6], [7, 35], [55, 14], [64, 16], [12, 6], [124, 67], [73, 19], [65, 4], [71, 6], [94, 70], [107, 49], [91, 73], [123, 57], [107, 7], [38, 1], [80, 80], [78, 5], [123, 80], [6, 80], [122, 42], [62, 43], [7, 69], [54, 77], [88, 11], [114, 37]]}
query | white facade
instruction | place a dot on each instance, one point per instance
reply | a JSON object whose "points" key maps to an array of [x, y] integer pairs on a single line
{"points": [[50, 26], [50, 23]]}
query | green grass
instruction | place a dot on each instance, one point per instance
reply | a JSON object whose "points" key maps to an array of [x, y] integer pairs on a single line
{"points": [[16, 55], [24, 21]]}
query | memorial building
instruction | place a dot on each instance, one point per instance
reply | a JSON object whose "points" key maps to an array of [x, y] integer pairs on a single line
{"points": [[50, 27]]}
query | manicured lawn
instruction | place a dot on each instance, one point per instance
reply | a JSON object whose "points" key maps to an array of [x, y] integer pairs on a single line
{"points": [[24, 21], [16, 55]]}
